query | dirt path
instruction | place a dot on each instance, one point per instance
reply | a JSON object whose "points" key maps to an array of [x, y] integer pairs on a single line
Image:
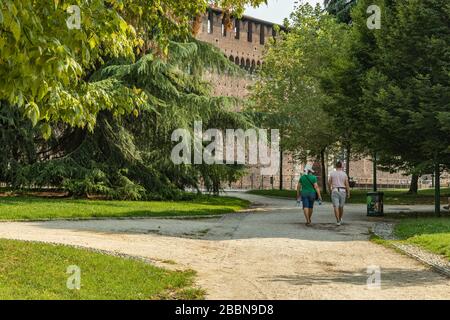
{"points": [[264, 255]]}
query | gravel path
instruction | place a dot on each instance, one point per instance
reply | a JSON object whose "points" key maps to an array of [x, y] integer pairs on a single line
{"points": [[264, 255]]}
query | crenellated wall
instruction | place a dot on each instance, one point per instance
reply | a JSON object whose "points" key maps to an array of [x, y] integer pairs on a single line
{"points": [[242, 44]]}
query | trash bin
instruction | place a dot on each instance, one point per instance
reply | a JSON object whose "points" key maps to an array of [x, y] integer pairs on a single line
{"points": [[375, 204]]}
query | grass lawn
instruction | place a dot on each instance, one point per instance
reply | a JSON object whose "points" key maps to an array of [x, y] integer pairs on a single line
{"points": [[31, 270], [395, 197], [432, 234], [32, 208]]}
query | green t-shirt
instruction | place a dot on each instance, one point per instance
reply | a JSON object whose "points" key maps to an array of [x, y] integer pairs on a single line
{"points": [[308, 187]]}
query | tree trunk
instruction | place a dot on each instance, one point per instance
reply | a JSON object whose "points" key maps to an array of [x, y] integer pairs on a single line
{"points": [[414, 187], [281, 168], [216, 186], [347, 162], [375, 182], [216, 191], [324, 171], [437, 189]]}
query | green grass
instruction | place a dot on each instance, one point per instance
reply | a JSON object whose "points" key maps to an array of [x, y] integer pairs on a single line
{"points": [[432, 234], [31, 270], [393, 197], [32, 208]]}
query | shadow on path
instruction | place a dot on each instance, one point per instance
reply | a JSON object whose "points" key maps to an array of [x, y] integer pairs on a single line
{"points": [[390, 278]]}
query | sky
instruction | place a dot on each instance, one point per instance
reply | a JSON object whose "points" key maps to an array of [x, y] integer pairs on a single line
{"points": [[276, 10]]}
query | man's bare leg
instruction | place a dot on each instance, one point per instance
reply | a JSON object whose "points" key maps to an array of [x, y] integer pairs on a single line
{"points": [[337, 213], [341, 213], [310, 215], [307, 215]]}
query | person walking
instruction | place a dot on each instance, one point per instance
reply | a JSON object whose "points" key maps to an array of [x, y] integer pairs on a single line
{"points": [[339, 185], [308, 192]]}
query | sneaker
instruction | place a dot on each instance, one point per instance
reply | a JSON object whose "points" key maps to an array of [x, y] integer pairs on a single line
{"points": [[338, 224], [342, 221], [447, 208]]}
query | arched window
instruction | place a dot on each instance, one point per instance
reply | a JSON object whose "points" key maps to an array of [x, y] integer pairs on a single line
{"points": [[247, 64], [231, 58], [236, 60], [253, 67], [242, 62]]}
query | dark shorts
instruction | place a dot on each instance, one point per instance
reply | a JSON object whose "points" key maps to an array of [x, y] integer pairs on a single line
{"points": [[308, 200]]}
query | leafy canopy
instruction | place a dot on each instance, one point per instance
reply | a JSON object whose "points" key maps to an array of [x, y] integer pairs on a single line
{"points": [[290, 87], [45, 66]]}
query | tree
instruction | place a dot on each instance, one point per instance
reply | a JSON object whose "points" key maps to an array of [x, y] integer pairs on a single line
{"points": [[107, 96], [407, 89], [339, 80], [47, 64], [340, 8], [128, 156], [17, 138], [290, 83]]}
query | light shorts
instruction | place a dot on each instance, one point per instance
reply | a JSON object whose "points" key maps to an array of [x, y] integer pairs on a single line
{"points": [[338, 198]]}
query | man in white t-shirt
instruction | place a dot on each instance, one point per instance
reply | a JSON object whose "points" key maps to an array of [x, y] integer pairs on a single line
{"points": [[340, 191]]}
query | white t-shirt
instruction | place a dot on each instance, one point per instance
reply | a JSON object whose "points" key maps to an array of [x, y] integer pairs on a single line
{"points": [[338, 179]]}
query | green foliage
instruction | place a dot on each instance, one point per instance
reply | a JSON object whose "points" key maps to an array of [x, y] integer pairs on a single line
{"points": [[128, 156], [17, 138], [97, 182], [47, 64], [103, 100], [340, 8], [289, 88], [406, 86], [384, 91]]}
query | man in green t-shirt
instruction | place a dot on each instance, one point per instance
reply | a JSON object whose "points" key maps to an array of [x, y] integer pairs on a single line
{"points": [[308, 191]]}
